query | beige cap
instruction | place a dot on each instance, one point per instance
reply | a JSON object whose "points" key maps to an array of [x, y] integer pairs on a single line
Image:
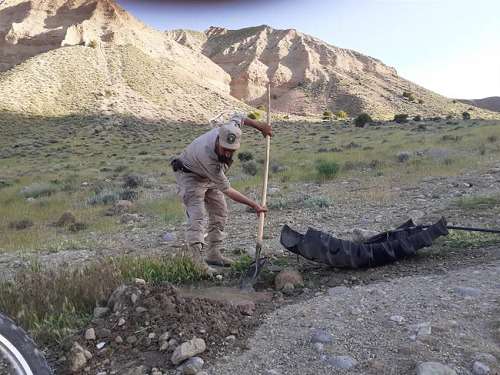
{"points": [[230, 136]]}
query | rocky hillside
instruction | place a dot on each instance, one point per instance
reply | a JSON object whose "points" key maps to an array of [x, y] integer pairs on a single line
{"points": [[491, 103], [310, 76], [62, 57]]}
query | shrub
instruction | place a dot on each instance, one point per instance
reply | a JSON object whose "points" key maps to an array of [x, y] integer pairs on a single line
{"points": [[409, 95], [362, 119], [327, 115], [105, 196], [254, 115], [492, 138], [132, 181], [417, 118], [37, 190], [317, 202], [420, 101], [401, 118], [466, 116], [93, 43], [249, 167], [245, 156], [341, 115], [404, 156], [327, 169]]}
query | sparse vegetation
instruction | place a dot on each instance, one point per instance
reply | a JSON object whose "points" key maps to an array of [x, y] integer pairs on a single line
{"points": [[417, 118], [327, 115], [327, 170], [341, 115], [401, 118], [245, 156], [409, 95], [362, 120], [466, 116], [249, 167]]}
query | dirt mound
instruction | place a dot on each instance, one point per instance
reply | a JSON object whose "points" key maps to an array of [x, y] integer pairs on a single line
{"points": [[146, 324]]}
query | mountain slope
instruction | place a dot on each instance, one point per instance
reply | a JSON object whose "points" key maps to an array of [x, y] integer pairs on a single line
{"points": [[491, 103], [309, 76], [67, 56]]}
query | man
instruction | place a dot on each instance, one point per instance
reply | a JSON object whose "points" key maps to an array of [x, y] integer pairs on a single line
{"points": [[202, 184]]}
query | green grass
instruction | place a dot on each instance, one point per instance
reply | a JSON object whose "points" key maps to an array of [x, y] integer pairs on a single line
{"points": [[479, 202], [53, 304], [467, 240]]}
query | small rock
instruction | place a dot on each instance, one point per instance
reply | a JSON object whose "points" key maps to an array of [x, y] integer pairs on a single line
{"points": [[467, 291], [164, 336], [132, 339], [90, 334], [288, 276], [321, 337], [231, 338], [155, 371], [397, 318], [140, 310], [100, 345], [319, 347], [361, 235], [434, 368], [78, 357], [118, 339], [100, 312], [485, 358], [272, 372], [134, 297], [338, 290], [342, 361], [479, 368], [139, 281], [188, 349], [192, 366], [121, 322], [246, 307]]}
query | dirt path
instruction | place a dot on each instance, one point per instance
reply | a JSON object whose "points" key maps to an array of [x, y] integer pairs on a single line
{"points": [[382, 328]]}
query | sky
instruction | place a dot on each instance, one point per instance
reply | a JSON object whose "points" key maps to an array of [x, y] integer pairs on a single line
{"points": [[449, 46]]}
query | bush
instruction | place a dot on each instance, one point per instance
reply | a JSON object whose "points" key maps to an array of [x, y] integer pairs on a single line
{"points": [[132, 181], [420, 101], [409, 95], [341, 115], [254, 115], [362, 119], [327, 169], [327, 115], [401, 118], [317, 202], [249, 167], [466, 116], [245, 156], [37, 190], [417, 118]]}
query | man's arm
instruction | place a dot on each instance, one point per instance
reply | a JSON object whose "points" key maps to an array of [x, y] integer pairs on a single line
{"points": [[265, 129], [236, 196]]}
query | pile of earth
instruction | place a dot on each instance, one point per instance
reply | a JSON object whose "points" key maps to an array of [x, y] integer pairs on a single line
{"points": [[143, 325]]}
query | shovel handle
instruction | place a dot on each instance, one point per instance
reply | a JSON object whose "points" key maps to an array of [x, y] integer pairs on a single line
{"points": [[260, 232]]}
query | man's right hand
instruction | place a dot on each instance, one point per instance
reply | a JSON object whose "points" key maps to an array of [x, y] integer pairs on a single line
{"points": [[260, 209]]}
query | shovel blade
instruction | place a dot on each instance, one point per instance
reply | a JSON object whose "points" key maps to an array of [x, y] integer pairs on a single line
{"points": [[251, 276]]}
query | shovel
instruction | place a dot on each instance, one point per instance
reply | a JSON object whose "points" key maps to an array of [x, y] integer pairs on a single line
{"points": [[250, 277]]}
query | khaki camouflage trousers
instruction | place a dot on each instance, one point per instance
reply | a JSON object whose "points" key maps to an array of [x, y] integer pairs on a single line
{"points": [[200, 196]]}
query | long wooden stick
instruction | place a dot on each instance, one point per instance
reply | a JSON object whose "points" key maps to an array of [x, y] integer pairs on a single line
{"points": [[260, 233]]}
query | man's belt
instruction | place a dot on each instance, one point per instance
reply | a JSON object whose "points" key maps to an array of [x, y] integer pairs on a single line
{"points": [[178, 165]]}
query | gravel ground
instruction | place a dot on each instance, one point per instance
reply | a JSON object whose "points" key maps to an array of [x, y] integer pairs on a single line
{"points": [[387, 328]]}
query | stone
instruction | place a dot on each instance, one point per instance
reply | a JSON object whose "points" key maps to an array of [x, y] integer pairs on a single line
{"points": [[138, 281], [397, 318], [121, 322], [272, 372], [131, 339], [337, 290], [467, 291], [192, 366], [342, 361], [66, 218], [321, 337], [288, 276], [78, 357], [118, 339], [90, 334], [246, 307], [434, 368], [100, 345], [485, 358], [319, 347], [164, 336], [479, 368], [188, 349], [100, 312]]}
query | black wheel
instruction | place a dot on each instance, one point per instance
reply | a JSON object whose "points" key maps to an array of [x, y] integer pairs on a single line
{"points": [[18, 353]]}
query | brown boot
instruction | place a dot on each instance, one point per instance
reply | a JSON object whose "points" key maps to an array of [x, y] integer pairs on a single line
{"points": [[215, 257], [196, 253]]}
